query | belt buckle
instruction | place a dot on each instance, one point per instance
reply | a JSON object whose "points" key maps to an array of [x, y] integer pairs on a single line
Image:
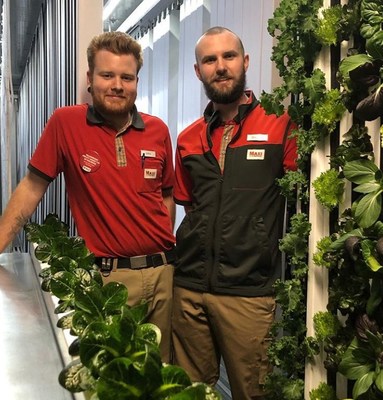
{"points": [[106, 266], [138, 262]]}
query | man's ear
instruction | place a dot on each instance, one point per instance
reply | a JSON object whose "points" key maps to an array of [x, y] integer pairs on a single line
{"points": [[246, 62], [88, 82], [197, 71], [88, 78]]}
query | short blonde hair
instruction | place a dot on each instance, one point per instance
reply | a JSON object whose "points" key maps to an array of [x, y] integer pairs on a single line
{"points": [[117, 43]]}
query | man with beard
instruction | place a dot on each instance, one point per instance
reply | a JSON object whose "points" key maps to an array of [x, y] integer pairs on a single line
{"points": [[227, 163], [118, 169]]}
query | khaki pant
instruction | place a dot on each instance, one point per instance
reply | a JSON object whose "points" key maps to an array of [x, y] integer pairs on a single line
{"points": [[154, 285], [208, 326]]}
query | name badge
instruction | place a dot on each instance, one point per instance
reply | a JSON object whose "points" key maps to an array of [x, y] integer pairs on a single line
{"points": [[258, 137], [255, 154], [150, 173], [148, 153]]}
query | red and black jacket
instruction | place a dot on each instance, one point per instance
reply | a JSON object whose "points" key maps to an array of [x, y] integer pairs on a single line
{"points": [[228, 242]]}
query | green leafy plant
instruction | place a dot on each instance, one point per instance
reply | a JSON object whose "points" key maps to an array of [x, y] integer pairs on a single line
{"points": [[353, 252], [326, 325], [116, 354], [356, 145], [370, 184], [323, 392], [363, 362], [329, 189]]}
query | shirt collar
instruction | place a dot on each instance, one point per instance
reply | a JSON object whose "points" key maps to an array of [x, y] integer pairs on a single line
{"points": [[211, 115], [95, 118]]}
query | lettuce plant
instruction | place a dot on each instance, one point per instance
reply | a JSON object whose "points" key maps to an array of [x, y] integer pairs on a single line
{"points": [[116, 354]]}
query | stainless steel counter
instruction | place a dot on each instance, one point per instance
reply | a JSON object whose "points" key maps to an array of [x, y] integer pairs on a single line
{"points": [[33, 350]]}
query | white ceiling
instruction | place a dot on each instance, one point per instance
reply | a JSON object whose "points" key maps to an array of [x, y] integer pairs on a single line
{"points": [[24, 16]]}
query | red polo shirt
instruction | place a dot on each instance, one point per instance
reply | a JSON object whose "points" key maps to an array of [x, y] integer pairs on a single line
{"points": [[114, 181]]}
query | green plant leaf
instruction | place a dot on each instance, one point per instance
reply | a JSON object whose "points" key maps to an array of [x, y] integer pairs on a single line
{"points": [[375, 342], [197, 391], [379, 380], [173, 374], [119, 381], [351, 366], [350, 63], [138, 312], [339, 243], [80, 321], [363, 384], [293, 390], [90, 299], [95, 341], [368, 187], [63, 285], [368, 209], [376, 296], [372, 11], [368, 255], [115, 295], [149, 333], [360, 171], [374, 46]]}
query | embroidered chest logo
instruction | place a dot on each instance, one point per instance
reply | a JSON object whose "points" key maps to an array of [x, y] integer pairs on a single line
{"points": [[255, 154], [150, 173]]}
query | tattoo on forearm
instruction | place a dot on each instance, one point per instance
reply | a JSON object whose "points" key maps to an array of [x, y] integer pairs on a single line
{"points": [[21, 220]]}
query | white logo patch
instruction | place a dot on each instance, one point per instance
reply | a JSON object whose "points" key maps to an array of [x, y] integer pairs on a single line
{"points": [[148, 153], [255, 154], [150, 173], [258, 137]]}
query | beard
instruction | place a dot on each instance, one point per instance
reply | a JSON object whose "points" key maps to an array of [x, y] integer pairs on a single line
{"points": [[228, 96], [112, 109]]}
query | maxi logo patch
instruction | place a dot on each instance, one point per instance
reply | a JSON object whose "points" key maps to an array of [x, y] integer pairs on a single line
{"points": [[150, 173], [255, 154]]}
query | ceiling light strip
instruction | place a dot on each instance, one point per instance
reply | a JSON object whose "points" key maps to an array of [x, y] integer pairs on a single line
{"points": [[109, 8], [137, 14]]}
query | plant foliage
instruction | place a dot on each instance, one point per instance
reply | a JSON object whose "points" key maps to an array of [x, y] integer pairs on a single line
{"points": [[116, 354], [350, 330]]}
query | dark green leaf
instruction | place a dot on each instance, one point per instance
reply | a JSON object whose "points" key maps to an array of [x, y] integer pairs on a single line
{"points": [[63, 285], [363, 384], [360, 171], [115, 295], [376, 296], [374, 45], [197, 391], [90, 299], [368, 209]]}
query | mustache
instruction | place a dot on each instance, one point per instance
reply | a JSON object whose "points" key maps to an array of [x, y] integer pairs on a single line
{"points": [[220, 76]]}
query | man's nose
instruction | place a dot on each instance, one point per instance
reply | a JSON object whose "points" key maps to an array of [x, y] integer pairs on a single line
{"points": [[221, 65], [117, 83]]}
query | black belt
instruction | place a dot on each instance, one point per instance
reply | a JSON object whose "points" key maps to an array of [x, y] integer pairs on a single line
{"points": [[107, 264]]}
